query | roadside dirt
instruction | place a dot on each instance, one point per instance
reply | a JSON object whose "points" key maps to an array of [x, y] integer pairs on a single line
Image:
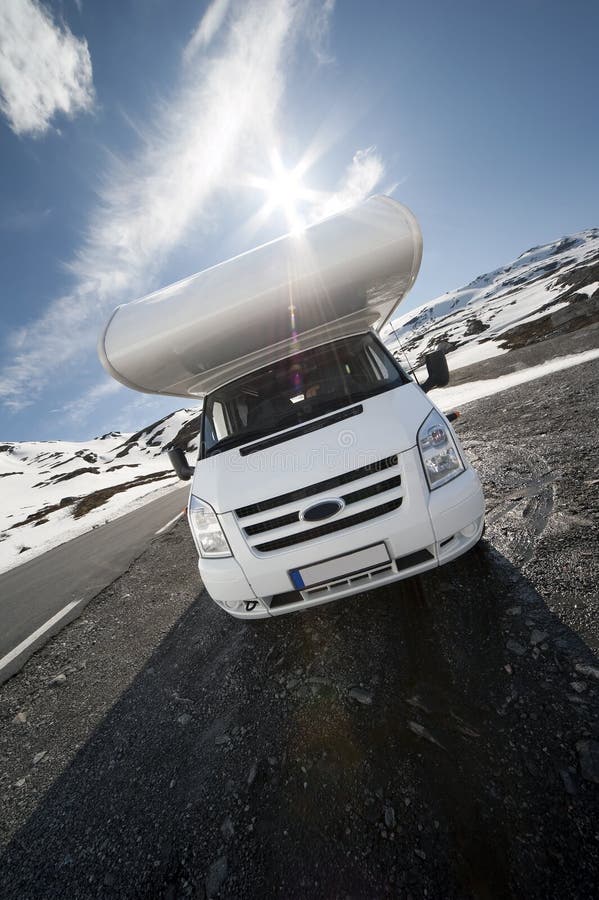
{"points": [[437, 738]]}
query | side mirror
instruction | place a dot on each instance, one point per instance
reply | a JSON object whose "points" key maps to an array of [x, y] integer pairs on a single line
{"points": [[180, 464], [438, 371]]}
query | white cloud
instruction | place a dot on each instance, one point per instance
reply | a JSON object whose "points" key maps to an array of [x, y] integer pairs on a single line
{"points": [[361, 178], [317, 29], [207, 28], [223, 112], [44, 68]]}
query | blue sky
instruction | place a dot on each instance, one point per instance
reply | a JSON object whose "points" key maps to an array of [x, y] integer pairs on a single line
{"points": [[137, 138]]}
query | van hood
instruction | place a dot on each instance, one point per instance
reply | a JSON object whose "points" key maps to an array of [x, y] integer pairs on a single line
{"points": [[387, 424]]}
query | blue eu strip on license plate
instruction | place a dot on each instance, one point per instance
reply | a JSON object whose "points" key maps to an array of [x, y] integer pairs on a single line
{"points": [[297, 580]]}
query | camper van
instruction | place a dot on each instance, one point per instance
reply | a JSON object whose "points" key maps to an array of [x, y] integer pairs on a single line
{"points": [[323, 469]]}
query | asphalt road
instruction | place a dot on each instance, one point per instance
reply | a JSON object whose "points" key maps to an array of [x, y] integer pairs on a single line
{"points": [[73, 573], [437, 738]]}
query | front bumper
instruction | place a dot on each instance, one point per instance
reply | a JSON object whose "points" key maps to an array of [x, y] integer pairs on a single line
{"points": [[429, 530]]}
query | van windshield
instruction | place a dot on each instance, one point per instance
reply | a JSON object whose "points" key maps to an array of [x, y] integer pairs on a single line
{"points": [[297, 389]]}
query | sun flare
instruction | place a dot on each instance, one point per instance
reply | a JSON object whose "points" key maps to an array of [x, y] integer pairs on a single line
{"points": [[284, 191]]}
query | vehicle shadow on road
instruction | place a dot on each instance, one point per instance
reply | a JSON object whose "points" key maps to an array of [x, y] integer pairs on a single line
{"points": [[432, 738]]}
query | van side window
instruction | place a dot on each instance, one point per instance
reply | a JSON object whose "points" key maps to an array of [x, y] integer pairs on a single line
{"points": [[381, 366], [218, 421]]}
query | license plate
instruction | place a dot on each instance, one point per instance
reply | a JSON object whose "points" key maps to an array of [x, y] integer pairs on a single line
{"points": [[339, 567]]}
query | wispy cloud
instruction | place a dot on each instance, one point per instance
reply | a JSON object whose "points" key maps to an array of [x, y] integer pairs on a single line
{"points": [[317, 27], [223, 111], [207, 28], [78, 410], [361, 178], [44, 68]]}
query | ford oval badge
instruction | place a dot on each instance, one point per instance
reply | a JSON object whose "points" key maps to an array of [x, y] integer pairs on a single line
{"points": [[323, 510]]}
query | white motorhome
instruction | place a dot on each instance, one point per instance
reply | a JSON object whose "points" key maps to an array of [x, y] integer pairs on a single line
{"points": [[323, 469]]}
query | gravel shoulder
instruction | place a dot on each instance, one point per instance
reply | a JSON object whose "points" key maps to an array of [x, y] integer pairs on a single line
{"points": [[437, 738]]}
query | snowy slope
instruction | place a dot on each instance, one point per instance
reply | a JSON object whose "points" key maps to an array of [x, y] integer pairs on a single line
{"points": [[546, 291], [53, 490]]}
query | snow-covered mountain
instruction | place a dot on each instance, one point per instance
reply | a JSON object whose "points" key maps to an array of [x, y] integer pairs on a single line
{"points": [[546, 291], [53, 490]]}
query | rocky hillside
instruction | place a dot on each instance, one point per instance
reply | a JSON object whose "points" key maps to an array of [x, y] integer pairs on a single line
{"points": [[546, 292]]}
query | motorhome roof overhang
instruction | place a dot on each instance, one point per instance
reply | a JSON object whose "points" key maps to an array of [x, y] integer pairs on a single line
{"points": [[341, 276]]}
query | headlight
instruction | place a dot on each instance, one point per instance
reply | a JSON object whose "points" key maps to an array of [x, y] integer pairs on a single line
{"points": [[438, 451], [205, 528]]}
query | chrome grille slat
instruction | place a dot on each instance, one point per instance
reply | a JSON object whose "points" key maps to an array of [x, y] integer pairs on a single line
{"points": [[270, 524], [371, 491]]}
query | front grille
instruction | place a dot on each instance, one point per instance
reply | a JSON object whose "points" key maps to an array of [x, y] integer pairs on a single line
{"points": [[299, 537], [378, 493], [371, 491]]}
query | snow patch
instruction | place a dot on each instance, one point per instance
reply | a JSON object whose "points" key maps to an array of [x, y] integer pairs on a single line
{"points": [[590, 289], [450, 397]]}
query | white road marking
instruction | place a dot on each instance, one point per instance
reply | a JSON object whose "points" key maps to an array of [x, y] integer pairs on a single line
{"points": [[172, 522], [6, 660]]}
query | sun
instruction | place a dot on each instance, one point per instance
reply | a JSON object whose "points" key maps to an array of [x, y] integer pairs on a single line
{"points": [[284, 191]]}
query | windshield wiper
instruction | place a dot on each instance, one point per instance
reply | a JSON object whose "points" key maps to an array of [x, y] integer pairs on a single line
{"points": [[348, 399], [325, 406]]}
